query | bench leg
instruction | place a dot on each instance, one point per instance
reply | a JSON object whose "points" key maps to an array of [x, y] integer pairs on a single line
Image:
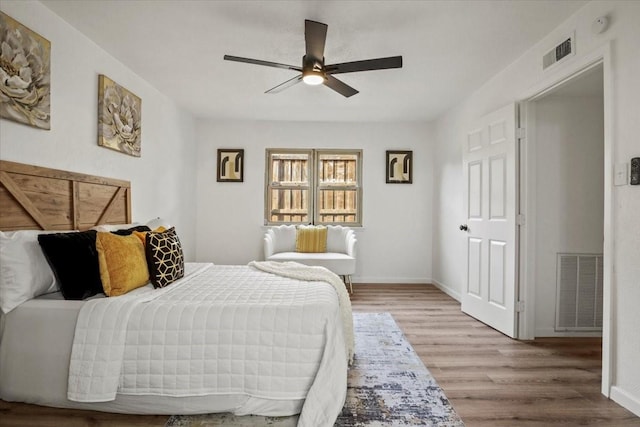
{"points": [[347, 282]]}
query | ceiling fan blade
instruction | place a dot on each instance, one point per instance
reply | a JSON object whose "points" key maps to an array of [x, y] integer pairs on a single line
{"points": [[315, 35], [366, 65], [283, 86], [259, 62], [340, 87]]}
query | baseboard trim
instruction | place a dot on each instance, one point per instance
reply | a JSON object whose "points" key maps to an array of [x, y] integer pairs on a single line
{"points": [[624, 399], [388, 280], [447, 290], [550, 332]]}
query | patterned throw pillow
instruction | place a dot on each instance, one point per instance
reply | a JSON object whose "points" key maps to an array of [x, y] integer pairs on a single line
{"points": [[164, 257]]}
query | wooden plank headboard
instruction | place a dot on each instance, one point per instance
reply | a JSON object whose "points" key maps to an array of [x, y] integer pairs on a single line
{"points": [[33, 197]]}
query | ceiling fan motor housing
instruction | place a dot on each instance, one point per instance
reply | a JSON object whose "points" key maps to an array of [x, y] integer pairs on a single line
{"points": [[310, 63]]}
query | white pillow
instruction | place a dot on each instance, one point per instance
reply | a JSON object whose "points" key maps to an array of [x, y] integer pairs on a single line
{"points": [[24, 270], [158, 222], [114, 227], [284, 238], [336, 235]]}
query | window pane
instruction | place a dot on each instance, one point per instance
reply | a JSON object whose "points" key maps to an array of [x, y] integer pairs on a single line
{"points": [[335, 206], [290, 169], [289, 205], [288, 187], [320, 186], [337, 169]]}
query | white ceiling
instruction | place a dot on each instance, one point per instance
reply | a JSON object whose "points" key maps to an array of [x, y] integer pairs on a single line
{"points": [[449, 49]]}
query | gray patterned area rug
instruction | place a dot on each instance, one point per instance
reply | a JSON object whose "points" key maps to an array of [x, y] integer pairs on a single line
{"points": [[388, 385]]}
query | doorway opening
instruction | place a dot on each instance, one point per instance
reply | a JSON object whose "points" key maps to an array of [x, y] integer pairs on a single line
{"points": [[564, 255], [569, 207]]}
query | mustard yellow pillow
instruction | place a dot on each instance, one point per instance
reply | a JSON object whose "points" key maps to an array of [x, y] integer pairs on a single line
{"points": [[311, 239], [142, 235], [123, 265]]}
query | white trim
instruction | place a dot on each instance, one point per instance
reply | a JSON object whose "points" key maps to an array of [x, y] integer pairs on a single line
{"points": [[564, 73], [625, 399], [567, 72], [447, 290], [527, 236], [391, 280], [608, 328], [550, 332]]}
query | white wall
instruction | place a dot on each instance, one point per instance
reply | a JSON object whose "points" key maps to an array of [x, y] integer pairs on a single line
{"points": [[448, 263], [166, 169], [395, 242], [399, 235], [510, 85], [569, 212]]}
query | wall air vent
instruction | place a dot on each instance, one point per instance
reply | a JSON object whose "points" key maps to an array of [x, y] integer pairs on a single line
{"points": [[579, 292], [561, 51]]}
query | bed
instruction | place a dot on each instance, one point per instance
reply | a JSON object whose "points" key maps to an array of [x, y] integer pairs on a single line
{"points": [[250, 339]]}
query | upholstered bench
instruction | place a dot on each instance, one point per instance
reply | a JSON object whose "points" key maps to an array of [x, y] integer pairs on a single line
{"points": [[339, 256]]}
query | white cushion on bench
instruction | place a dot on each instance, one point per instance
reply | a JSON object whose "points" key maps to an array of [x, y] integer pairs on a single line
{"points": [[340, 257], [341, 264]]}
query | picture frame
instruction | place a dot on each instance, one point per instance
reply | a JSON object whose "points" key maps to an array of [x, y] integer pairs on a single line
{"points": [[399, 167], [230, 165], [26, 58], [119, 118]]}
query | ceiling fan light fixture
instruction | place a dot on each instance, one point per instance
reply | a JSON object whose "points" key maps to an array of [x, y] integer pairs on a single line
{"points": [[313, 78], [313, 71]]}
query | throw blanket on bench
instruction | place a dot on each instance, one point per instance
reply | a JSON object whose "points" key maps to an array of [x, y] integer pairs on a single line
{"points": [[294, 270]]}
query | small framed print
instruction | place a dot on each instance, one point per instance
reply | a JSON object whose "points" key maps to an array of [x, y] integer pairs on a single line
{"points": [[230, 165], [399, 167]]}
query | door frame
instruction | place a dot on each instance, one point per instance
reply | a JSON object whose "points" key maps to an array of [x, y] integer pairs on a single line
{"points": [[527, 189]]}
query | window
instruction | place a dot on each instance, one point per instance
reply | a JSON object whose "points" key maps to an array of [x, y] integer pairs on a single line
{"points": [[313, 186]]}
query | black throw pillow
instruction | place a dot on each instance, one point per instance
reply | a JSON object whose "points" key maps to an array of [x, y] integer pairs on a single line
{"points": [[74, 260], [129, 231]]}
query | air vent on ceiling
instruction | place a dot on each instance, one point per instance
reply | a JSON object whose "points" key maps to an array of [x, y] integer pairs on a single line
{"points": [[561, 51]]}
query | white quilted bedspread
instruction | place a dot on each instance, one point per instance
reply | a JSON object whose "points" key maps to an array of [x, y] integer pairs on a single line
{"points": [[220, 330]]}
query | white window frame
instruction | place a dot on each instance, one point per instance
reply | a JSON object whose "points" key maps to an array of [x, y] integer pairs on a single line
{"points": [[314, 186]]}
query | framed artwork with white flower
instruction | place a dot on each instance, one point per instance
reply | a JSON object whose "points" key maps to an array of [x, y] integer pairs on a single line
{"points": [[25, 74], [119, 117]]}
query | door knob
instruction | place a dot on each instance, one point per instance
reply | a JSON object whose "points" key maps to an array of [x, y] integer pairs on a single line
{"points": [[464, 227]]}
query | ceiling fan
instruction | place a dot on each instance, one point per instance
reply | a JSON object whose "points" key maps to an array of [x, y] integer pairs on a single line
{"points": [[314, 71]]}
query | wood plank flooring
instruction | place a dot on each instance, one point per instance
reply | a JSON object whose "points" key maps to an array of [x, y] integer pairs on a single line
{"points": [[490, 379]]}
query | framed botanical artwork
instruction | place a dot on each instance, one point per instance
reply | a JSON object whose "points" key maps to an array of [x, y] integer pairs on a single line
{"points": [[399, 167], [119, 118], [230, 165], [25, 75]]}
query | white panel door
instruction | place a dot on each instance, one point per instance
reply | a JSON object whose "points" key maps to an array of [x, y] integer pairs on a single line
{"points": [[490, 208]]}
